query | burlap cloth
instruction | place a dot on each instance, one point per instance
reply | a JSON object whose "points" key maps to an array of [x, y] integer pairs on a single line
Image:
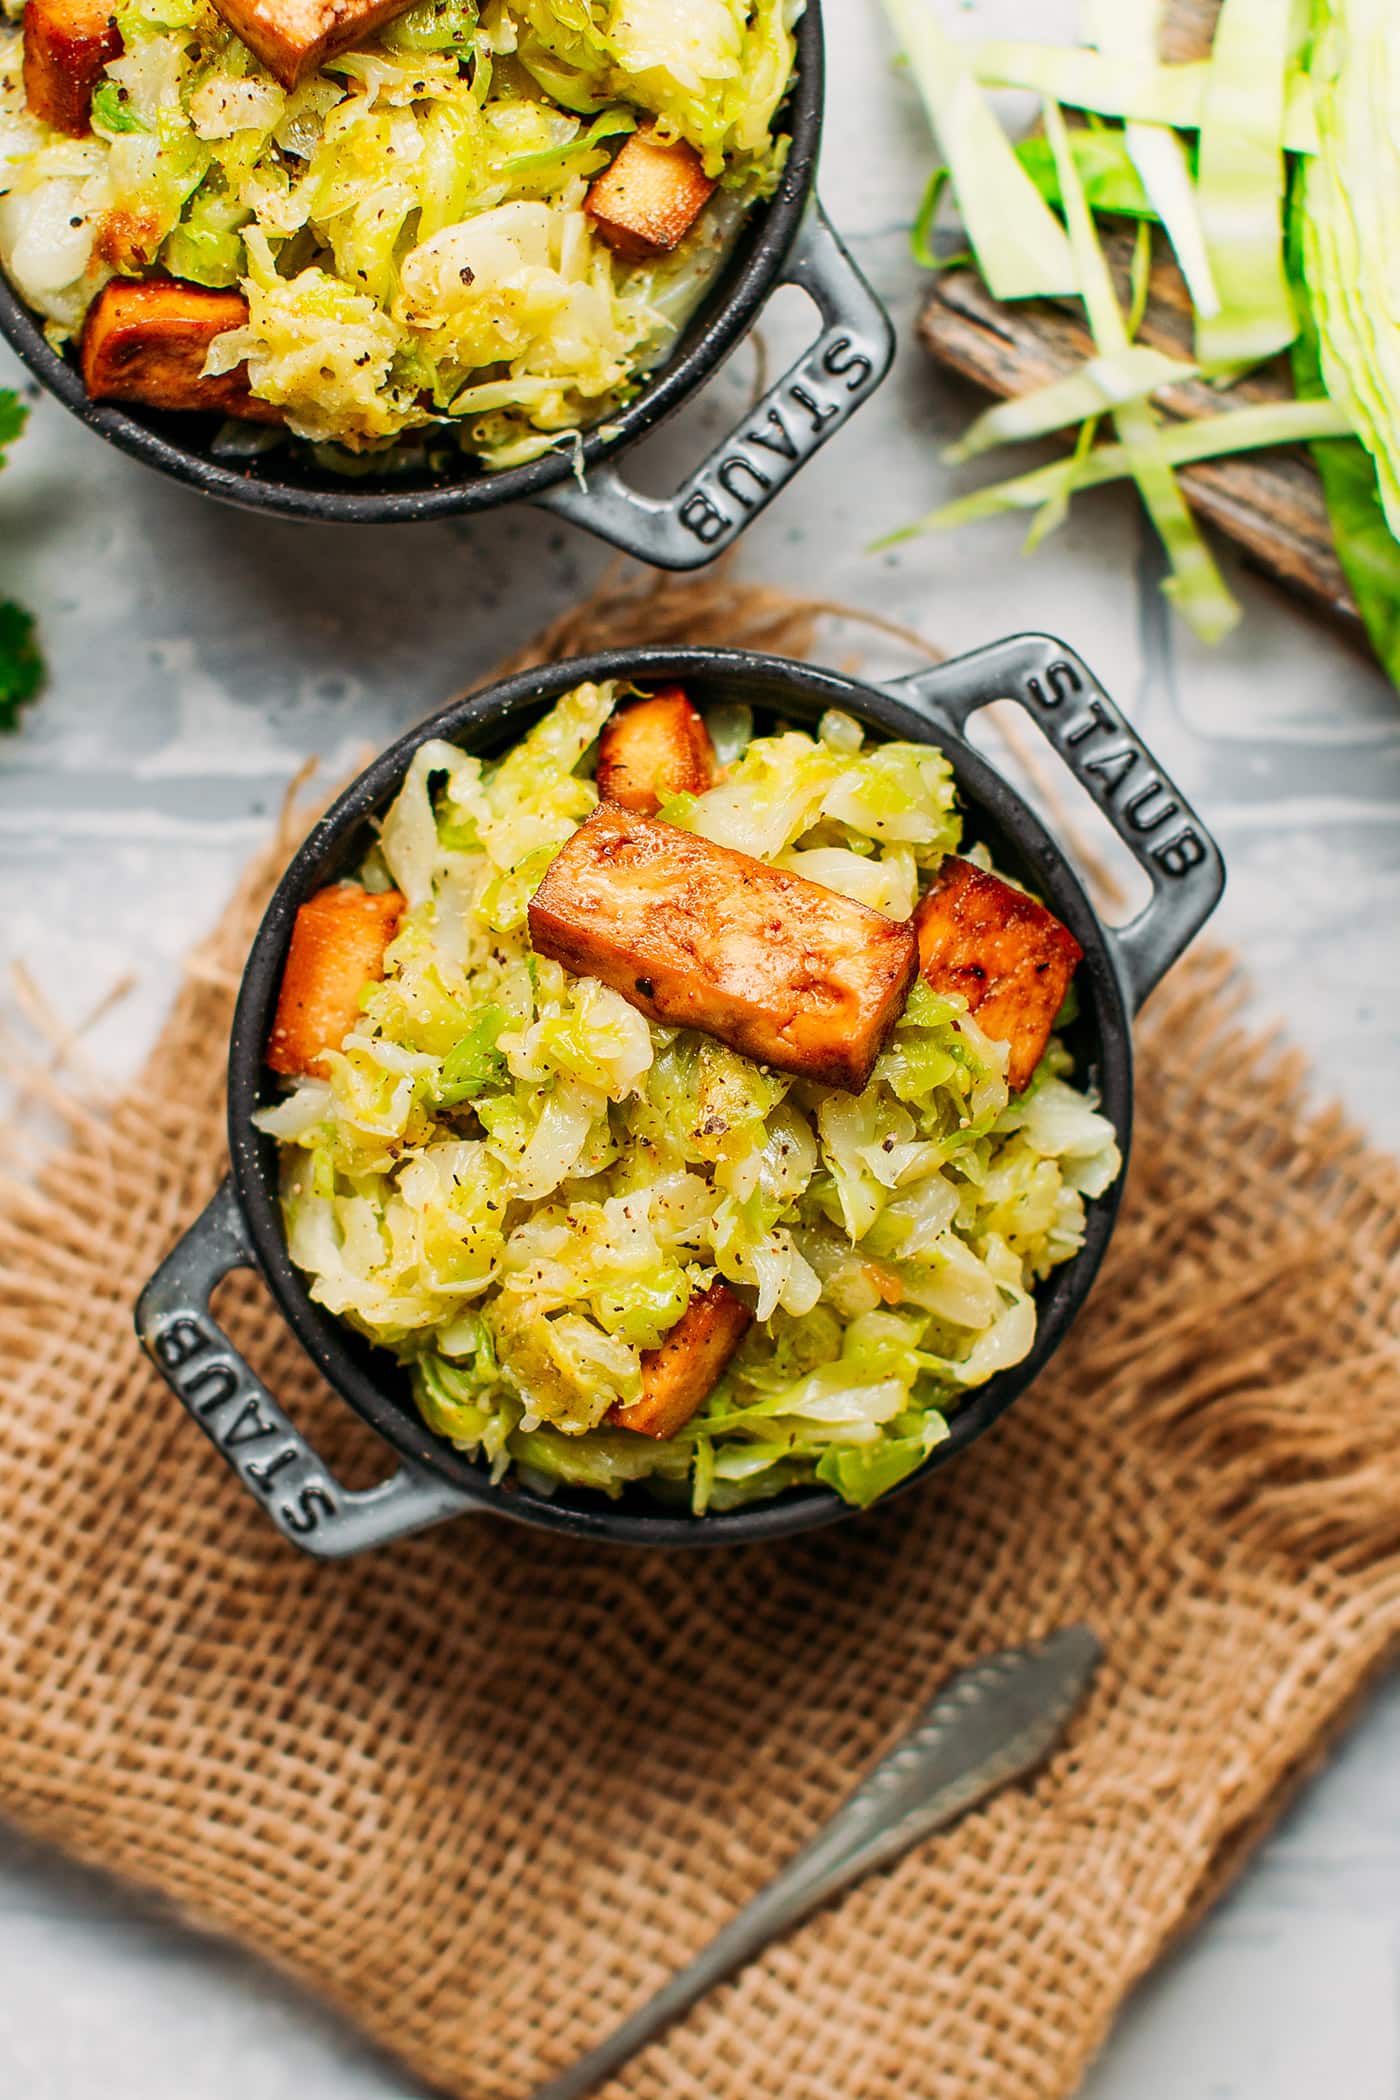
{"points": [[485, 1790]]}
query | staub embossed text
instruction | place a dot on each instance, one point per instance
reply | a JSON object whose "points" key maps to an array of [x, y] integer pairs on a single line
{"points": [[788, 425], [1119, 771]]}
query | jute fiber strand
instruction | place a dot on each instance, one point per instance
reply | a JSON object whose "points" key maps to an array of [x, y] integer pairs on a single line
{"points": [[485, 1790]]}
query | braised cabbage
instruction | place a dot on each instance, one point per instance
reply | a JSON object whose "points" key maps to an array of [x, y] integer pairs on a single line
{"points": [[515, 1183], [408, 223]]}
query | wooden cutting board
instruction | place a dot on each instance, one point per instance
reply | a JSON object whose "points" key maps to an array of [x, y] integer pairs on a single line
{"points": [[1270, 503]]}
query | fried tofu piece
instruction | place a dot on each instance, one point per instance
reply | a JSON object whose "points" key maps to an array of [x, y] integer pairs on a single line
{"points": [[647, 201], [148, 342], [337, 948], [294, 37], [695, 935], [685, 1369], [653, 750], [1010, 958], [67, 46]]}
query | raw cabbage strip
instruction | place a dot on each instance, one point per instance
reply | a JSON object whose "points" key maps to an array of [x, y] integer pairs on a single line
{"points": [[1128, 88], [1111, 183], [1100, 383], [1128, 29], [1139, 278], [1052, 514], [1250, 429], [1055, 509], [1160, 159], [1021, 247], [1240, 184], [1195, 586]]}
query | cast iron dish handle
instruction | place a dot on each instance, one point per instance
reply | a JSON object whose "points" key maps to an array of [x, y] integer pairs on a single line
{"points": [[744, 473], [242, 1420], [1152, 817]]}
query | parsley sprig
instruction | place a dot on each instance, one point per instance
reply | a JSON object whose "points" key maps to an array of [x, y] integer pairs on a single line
{"points": [[21, 665]]}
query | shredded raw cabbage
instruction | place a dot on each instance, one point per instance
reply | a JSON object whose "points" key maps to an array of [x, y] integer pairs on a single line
{"points": [[1021, 247], [1195, 586], [516, 1184], [408, 223], [1252, 429], [1319, 78], [1133, 88], [1111, 181], [1128, 29], [1240, 184], [1106, 382]]}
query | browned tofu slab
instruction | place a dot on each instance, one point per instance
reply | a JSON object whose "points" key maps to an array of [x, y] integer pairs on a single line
{"points": [[684, 1370], [648, 200], [653, 750], [293, 37], [698, 936], [1010, 958], [337, 948], [67, 44], [148, 342]]}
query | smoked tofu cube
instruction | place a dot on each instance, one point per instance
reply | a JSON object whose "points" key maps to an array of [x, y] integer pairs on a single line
{"points": [[653, 750], [148, 342], [1010, 958], [685, 1369], [293, 37], [695, 935], [647, 201], [337, 948], [67, 46]]}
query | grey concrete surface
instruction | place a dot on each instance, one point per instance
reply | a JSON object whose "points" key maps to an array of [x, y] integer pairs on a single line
{"points": [[199, 656]]}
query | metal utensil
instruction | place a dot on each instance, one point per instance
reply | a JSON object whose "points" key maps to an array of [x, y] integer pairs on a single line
{"points": [[989, 1725]]}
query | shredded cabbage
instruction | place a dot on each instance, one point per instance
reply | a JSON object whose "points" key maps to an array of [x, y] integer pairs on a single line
{"points": [[1127, 374], [1021, 247], [1134, 88], [516, 1184], [408, 223], [1240, 184], [1319, 78], [1128, 29], [1195, 586], [1252, 429]]}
